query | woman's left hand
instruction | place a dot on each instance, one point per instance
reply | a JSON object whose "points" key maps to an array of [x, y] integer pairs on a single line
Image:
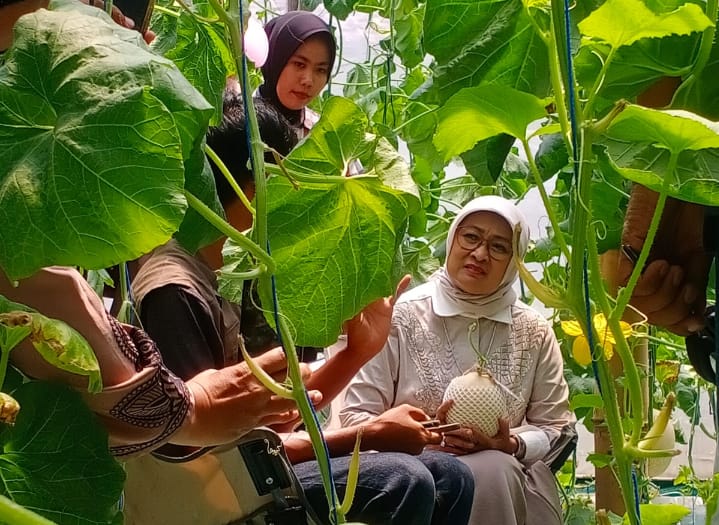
{"points": [[467, 440]]}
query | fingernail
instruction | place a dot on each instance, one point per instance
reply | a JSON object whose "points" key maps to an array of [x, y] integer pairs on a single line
{"points": [[677, 278], [663, 270]]}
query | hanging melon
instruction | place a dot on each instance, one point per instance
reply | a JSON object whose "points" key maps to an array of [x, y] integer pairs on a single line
{"points": [[479, 401]]}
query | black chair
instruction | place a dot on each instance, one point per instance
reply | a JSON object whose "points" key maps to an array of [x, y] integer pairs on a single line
{"points": [[562, 449]]}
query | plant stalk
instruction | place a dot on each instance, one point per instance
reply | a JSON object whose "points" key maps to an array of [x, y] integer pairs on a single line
{"points": [[232, 20], [227, 230], [558, 234], [11, 512]]}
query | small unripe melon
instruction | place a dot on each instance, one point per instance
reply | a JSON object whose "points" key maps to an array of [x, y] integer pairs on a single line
{"points": [[478, 402], [657, 466]]}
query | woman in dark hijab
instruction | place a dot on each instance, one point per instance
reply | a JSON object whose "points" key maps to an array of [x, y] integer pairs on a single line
{"points": [[301, 57]]}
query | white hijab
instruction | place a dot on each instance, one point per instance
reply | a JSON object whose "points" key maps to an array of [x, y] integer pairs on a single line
{"points": [[449, 300]]}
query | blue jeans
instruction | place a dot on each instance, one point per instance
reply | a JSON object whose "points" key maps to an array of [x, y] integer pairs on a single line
{"points": [[394, 488]]}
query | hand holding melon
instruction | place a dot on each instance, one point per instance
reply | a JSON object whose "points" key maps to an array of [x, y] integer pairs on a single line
{"points": [[477, 402]]}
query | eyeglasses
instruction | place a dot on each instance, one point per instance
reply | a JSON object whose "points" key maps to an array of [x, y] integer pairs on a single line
{"points": [[470, 239]]}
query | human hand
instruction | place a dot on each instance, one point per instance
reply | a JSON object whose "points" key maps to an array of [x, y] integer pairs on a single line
{"points": [[671, 291], [232, 401], [467, 440], [120, 19], [400, 429], [367, 331]]}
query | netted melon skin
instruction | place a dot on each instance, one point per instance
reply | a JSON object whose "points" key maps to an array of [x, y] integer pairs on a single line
{"points": [[478, 402]]}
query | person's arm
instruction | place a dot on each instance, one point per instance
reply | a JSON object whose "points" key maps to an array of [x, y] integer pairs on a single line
{"points": [[372, 391], [397, 430], [548, 408], [142, 404], [230, 402], [671, 291], [366, 335], [227, 402]]}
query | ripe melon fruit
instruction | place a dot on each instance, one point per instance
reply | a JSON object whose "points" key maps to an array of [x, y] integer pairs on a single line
{"points": [[479, 401]]}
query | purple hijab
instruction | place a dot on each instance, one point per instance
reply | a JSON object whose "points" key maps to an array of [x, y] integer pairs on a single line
{"points": [[285, 34]]}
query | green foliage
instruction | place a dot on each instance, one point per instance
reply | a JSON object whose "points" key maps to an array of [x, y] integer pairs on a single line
{"points": [[56, 342], [640, 142], [94, 133], [336, 236], [661, 514], [624, 22], [484, 41], [200, 52], [483, 112], [55, 459]]}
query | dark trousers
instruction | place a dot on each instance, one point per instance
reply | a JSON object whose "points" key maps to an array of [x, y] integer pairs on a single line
{"points": [[394, 488]]}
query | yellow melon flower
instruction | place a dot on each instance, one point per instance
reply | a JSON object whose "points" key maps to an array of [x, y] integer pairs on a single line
{"points": [[580, 347]]}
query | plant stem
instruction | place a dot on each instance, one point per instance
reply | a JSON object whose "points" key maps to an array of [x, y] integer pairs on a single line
{"points": [[226, 229], [580, 226], [306, 412], [579, 221], [626, 292], [705, 48], [230, 179], [4, 359], [11, 512], [558, 234], [631, 373], [231, 18], [308, 177], [166, 11], [589, 106], [555, 77]]}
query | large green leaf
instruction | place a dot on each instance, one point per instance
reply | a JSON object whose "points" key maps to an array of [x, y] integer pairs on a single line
{"points": [[635, 68], [55, 460], [201, 53], [482, 41], [335, 241], [483, 112], [673, 130], [335, 247], [337, 140], [486, 159], [94, 130], [623, 22], [697, 173], [639, 143], [408, 37], [59, 344]]}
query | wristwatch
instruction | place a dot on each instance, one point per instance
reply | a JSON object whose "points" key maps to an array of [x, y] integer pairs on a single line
{"points": [[521, 447]]}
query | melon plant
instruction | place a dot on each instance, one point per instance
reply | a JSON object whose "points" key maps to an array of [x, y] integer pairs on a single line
{"points": [[478, 401], [101, 141], [452, 79]]}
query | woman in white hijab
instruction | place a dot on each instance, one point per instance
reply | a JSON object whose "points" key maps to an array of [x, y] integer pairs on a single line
{"points": [[468, 312]]}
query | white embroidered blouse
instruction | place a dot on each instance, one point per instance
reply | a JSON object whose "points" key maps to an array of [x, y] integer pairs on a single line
{"points": [[424, 352]]}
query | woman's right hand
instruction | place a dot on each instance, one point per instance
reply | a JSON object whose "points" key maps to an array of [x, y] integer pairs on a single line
{"points": [[232, 401]]}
